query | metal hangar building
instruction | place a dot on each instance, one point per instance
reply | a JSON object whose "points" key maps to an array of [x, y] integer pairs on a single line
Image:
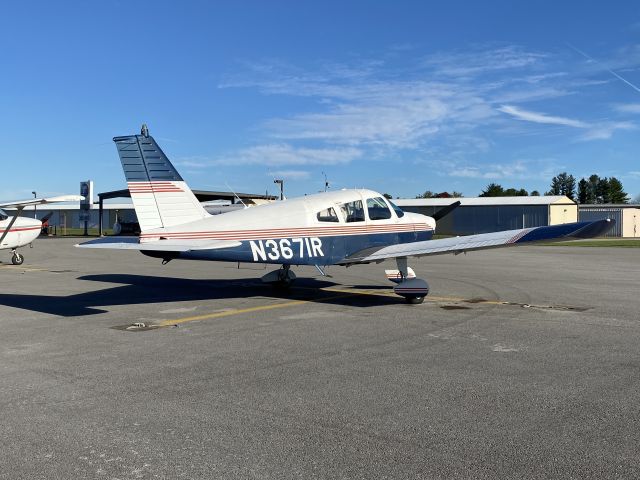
{"points": [[493, 214]]}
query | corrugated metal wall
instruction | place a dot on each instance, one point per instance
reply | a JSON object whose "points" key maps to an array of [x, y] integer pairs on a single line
{"points": [[467, 220], [591, 214]]}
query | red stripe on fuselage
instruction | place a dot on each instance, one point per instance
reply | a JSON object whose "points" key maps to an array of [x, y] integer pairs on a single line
{"points": [[21, 229], [287, 232]]}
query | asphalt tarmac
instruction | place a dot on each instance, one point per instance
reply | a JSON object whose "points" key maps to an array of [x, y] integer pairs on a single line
{"points": [[522, 363]]}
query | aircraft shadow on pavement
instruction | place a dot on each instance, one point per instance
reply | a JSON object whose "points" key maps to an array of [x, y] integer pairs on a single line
{"points": [[142, 289]]}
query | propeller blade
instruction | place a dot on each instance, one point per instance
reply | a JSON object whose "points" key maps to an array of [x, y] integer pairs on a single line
{"points": [[443, 212]]}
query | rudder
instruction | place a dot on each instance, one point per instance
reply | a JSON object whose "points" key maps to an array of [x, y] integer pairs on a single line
{"points": [[160, 196]]}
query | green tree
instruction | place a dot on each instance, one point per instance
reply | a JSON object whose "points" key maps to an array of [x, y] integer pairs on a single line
{"points": [[427, 194], [583, 191], [616, 192], [593, 188], [563, 184], [535, 193], [602, 190], [493, 190], [456, 194]]}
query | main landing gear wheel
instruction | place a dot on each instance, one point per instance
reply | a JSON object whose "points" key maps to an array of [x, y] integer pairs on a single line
{"points": [[17, 259], [280, 279]]}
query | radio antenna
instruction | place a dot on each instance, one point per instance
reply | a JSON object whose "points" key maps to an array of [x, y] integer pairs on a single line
{"points": [[236, 195]]}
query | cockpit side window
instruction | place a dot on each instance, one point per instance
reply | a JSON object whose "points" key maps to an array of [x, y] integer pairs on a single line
{"points": [[3, 215], [353, 211], [327, 215], [378, 209], [396, 209]]}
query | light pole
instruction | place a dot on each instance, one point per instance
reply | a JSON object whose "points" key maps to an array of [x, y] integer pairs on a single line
{"points": [[35, 195], [281, 182]]}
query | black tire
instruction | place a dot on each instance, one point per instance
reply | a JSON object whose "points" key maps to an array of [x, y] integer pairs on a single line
{"points": [[415, 300], [17, 259]]}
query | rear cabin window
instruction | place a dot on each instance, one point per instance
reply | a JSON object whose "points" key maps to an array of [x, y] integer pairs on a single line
{"points": [[378, 209], [327, 215], [396, 209], [353, 211]]}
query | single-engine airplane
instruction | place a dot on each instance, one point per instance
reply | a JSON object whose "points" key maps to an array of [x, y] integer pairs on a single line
{"points": [[346, 227], [16, 231]]}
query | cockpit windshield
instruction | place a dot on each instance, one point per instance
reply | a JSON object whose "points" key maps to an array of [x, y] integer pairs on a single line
{"points": [[3, 215], [396, 209]]}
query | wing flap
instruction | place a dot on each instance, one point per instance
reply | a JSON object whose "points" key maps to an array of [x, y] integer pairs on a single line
{"points": [[508, 238]]}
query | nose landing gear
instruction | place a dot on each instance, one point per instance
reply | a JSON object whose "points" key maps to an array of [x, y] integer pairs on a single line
{"points": [[412, 289], [17, 259]]}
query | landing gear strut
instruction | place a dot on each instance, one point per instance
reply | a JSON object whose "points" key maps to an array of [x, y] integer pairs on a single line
{"points": [[412, 289], [17, 259], [281, 278]]}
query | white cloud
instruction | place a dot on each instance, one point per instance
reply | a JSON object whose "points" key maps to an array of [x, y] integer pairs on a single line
{"points": [[594, 131], [536, 117], [491, 171], [193, 162], [604, 131], [482, 60], [291, 174], [285, 154], [628, 108], [369, 108]]}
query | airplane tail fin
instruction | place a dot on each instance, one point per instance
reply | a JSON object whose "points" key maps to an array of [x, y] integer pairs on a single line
{"points": [[160, 196]]}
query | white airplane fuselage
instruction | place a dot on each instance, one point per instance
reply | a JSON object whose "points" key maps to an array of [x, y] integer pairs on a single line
{"points": [[295, 232], [22, 232]]}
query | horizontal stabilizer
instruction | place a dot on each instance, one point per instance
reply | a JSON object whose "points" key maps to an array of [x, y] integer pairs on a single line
{"points": [[132, 243]]}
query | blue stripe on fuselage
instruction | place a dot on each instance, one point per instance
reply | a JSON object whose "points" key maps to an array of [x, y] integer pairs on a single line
{"points": [[305, 250]]}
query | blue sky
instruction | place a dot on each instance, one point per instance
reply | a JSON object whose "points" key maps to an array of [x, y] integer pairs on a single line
{"points": [[400, 97]]}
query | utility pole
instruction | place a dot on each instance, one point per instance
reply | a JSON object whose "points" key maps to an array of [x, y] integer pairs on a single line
{"points": [[34, 205], [281, 182]]}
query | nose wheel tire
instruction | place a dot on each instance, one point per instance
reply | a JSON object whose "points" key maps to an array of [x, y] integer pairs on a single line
{"points": [[415, 300], [413, 290], [17, 259]]}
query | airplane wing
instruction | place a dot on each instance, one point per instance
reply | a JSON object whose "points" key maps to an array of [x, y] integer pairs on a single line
{"points": [[132, 243], [41, 201], [508, 238]]}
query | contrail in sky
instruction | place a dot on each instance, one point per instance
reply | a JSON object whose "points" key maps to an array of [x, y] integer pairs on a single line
{"points": [[607, 69]]}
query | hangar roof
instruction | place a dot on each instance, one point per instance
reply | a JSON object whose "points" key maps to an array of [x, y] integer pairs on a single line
{"points": [[201, 195], [484, 201], [609, 205]]}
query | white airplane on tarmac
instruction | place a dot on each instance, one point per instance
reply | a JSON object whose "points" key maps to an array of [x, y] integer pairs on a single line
{"points": [[345, 227], [16, 231]]}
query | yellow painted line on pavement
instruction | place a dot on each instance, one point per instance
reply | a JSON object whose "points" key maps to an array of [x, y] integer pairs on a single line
{"points": [[343, 293], [391, 293], [259, 308], [26, 269]]}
